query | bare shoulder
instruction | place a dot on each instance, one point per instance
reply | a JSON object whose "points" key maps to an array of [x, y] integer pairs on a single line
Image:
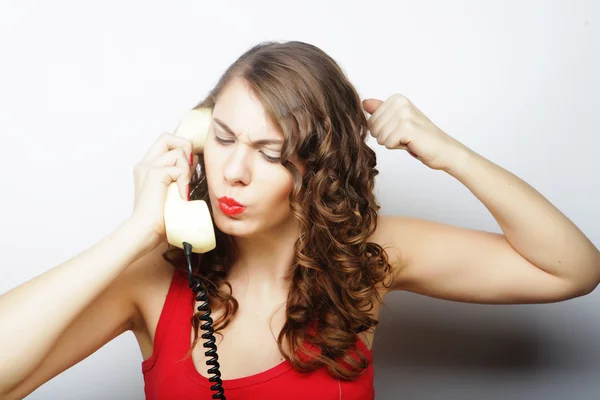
{"points": [[386, 235], [149, 287], [119, 308], [402, 236]]}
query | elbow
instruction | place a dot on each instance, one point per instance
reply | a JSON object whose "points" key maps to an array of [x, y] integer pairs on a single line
{"points": [[591, 283], [590, 287], [583, 287], [571, 288], [584, 290], [588, 279]]}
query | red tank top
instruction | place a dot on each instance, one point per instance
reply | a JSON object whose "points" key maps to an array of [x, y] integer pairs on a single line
{"points": [[167, 376]]}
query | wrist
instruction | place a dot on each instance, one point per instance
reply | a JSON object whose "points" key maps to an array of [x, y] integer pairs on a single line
{"points": [[138, 235], [459, 160]]}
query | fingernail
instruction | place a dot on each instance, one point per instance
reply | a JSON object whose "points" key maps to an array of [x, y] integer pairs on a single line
{"points": [[191, 158], [188, 188]]}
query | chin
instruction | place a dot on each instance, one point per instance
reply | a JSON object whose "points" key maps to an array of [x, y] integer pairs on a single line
{"points": [[232, 226]]}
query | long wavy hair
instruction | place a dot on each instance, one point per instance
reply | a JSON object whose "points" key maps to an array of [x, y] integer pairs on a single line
{"points": [[336, 271]]}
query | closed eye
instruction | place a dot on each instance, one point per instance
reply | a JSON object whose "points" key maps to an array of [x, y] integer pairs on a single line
{"points": [[226, 142], [223, 141], [270, 159]]}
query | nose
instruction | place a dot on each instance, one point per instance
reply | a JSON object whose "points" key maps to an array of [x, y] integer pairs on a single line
{"points": [[237, 169]]}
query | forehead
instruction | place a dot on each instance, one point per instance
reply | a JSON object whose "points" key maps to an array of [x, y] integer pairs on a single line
{"points": [[239, 108]]}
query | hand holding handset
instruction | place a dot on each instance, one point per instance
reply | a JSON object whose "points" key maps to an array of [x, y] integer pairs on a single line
{"points": [[190, 221], [188, 225]]}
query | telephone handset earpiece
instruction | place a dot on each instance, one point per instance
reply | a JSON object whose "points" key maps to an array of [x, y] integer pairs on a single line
{"points": [[189, 226]]}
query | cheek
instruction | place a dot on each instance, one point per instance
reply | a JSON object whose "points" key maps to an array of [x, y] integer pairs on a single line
{"points": [[207, 169], [280, 194], [210, 160], [284, 193]]}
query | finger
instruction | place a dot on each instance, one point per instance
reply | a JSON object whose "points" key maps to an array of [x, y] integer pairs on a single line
{"points": [[175, 157], [373, 121], [405, 147], [167, 175], [394, 135], [370, 105], [170, 174], [382, 126], [167, 142], [394, 142]]}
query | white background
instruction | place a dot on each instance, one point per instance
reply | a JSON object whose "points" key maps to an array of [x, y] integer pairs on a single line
{"points": [[86, 87]]}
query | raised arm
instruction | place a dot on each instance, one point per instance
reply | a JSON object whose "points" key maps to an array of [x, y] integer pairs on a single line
{"points": [[36, 316], [540, 257]]}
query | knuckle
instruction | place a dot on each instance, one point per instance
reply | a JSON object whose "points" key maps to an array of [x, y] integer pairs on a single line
{"points": [[181, 155], [405, 113], [407, 123], [373, 129], [399, 100]]}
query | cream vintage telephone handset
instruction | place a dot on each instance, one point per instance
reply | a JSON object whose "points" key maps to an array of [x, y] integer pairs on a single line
{"points": [[189, 226], [190, 221]]}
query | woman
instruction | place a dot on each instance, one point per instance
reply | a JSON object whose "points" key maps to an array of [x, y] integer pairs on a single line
{"points": [[303, 260]]}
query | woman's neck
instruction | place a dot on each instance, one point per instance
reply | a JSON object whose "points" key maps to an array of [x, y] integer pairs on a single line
{"points": [[264, 260]]}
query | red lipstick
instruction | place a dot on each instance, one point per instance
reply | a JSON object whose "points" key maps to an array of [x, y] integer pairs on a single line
{"points": [[229, 206]]}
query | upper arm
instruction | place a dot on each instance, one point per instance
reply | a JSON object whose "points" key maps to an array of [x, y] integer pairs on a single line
{"points": [[461, 264], [110, 314]]}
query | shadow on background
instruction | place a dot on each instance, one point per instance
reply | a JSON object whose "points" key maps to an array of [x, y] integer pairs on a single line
{"points": [[419, 331], [417, 342]]}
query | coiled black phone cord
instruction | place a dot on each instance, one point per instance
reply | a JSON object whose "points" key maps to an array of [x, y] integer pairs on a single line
{"points": [[196, 286]]}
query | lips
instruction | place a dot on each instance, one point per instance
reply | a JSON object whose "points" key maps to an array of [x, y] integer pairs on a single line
{"points": [[230, 207]]}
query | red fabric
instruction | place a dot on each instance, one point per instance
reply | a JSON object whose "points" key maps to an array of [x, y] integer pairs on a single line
{"points": [[166, 377]]}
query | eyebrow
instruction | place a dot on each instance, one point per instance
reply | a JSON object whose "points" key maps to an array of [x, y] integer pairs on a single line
{"points": [[260, 142]]}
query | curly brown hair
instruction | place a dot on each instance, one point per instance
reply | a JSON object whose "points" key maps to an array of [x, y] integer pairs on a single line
{"points": [[336, 271]]}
